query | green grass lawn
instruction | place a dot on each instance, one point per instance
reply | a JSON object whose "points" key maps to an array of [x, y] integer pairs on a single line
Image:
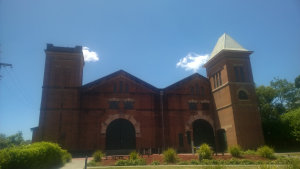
{"points": [[193, 167], [297, 154]]}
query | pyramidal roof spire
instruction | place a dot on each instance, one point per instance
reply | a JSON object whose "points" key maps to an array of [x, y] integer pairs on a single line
{"points": [[225, 42]]}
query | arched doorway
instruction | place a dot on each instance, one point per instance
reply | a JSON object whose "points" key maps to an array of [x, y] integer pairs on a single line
{"points": [[203, 133], [120, 135]]}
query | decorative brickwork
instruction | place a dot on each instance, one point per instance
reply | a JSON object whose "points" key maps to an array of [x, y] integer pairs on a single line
{"points": [[121, 116]]}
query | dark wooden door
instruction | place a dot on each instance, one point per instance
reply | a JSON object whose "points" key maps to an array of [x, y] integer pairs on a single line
{"points": [[203, 133], [120, 134]]}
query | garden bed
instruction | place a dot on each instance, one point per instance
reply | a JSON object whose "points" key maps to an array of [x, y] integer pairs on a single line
{"points": [[184, 157]]}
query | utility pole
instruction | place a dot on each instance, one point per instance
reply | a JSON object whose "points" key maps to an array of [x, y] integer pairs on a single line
{"points": [[4, 65]]}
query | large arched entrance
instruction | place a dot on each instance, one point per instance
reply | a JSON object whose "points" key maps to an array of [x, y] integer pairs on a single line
{"points": [[203, 133], [120, 135]]}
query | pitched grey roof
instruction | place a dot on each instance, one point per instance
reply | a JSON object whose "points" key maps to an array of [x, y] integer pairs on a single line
{"points": [[225, 42]]}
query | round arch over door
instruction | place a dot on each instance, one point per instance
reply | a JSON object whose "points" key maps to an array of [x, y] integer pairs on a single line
{"points": [[203, 133], [120, 134]]}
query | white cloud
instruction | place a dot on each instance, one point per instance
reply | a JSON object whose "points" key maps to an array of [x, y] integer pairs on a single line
{"points": [[89, 56], [192, 61]]}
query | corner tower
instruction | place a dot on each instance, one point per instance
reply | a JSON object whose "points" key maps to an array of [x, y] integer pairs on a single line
{"points": [[230, 75], [60, 96]]}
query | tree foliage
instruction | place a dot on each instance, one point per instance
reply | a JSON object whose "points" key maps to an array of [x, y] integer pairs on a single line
{"points": [[293, 119], [286, 93], [13, 140], [266, 95], [274, 102], [297, 82]]}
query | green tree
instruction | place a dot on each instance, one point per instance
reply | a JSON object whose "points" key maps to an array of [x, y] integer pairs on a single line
{"points": [[3, 141], [16, 139], [13, 140], [297, 82], [266, 96], [293, 119], [287, 94], [274, 101]]}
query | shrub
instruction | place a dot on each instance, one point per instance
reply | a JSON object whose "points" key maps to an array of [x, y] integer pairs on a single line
{"points": [[155, 163], [133, 155], [139, 161], [170, 155], [235, 151], [39, 155], [204, 152], [97, 156], [250, 152], [92, 163], [122, 163], [194, 162], [266, 152], [134, 159], [67, 157]]}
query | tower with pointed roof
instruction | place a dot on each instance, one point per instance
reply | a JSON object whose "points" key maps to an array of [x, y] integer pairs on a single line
{"points": [[230, 75]]}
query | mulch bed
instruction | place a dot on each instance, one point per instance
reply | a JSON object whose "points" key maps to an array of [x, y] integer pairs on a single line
{"points": [[183, 157]]}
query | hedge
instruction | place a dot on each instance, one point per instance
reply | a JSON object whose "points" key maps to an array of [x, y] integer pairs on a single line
{"points": [[40, 155]]}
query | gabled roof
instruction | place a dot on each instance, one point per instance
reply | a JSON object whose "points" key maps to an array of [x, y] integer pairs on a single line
{"points": [[186, 80], [93, 84], [225, 42]]}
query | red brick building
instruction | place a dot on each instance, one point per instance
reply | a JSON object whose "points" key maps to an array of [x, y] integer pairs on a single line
{"points": [[123, 112]]}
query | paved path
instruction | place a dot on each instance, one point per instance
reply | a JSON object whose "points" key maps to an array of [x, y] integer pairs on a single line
{"points": [[76, 163]]}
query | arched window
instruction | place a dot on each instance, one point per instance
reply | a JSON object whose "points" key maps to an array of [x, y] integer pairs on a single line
{"points": [[243, 95]]}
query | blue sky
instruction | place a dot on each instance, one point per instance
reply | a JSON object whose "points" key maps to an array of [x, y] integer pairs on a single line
{"points": [[146, 38]]}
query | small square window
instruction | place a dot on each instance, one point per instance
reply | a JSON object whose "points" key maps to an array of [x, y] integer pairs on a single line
{"points": [[128, 105], [193, 106], [114, 104], [205, 106]]}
